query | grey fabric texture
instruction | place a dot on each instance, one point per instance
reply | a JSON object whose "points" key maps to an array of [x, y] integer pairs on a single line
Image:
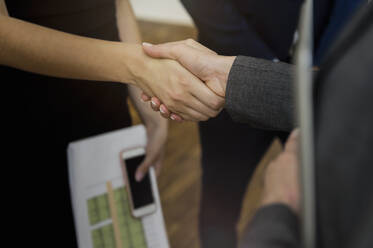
{"points": [[259, 93]]}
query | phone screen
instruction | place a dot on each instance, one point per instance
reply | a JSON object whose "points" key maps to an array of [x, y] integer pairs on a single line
{"points": [[141, 192]]}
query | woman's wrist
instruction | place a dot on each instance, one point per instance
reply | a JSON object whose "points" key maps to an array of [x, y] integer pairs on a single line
{"points": [[131, 63]]}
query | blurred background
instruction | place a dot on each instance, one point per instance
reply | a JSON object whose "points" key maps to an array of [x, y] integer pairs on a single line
{"points": [[179, 183]]}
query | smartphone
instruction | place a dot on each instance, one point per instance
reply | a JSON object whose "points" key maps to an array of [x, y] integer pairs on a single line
{"points": [[141, 194]]}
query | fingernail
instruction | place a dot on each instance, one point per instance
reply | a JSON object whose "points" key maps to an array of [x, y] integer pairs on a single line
{"points": [[295, 133], [154, 104], [173, 118], [142, 99], [162, 110], [138, 176], [147, 44]]}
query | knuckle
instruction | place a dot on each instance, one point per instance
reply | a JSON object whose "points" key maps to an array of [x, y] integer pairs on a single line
{"points": [[174, 51], [176, 97], [165, 116], [170, 105], [190, 41], [213, 114], [216, 103], [155, 108], [184, 83], [177, 94]]}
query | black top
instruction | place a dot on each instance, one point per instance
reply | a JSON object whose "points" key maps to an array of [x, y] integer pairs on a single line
{"points": [[91, 18], [43, 114]]}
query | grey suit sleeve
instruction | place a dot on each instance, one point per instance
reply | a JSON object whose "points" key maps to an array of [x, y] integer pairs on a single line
{"points": [[259, 93], [273, 226]]}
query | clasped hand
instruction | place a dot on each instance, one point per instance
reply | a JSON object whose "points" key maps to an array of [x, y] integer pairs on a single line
{"points": [[208, 71]]}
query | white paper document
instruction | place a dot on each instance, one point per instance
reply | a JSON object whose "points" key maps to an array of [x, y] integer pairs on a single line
{"points": [[100, 202]]}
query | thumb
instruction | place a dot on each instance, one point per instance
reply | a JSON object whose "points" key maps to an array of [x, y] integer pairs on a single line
{"points": [[150, 159], [293, 141], [158, 51], [188, 56], [143, 168]]}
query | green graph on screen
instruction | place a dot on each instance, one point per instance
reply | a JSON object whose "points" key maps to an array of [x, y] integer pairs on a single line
{"points": [[131, 234]]}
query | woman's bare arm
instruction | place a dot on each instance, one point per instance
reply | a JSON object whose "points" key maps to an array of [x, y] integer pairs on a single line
{"points": [[3, 9], [46, 51]]}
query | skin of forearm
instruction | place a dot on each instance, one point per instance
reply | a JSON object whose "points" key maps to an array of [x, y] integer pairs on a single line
{"points": [[3, 9], [126, 22], [49, 52], [129, 32]]}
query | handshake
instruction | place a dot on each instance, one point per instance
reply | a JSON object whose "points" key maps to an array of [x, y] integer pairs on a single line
{"points": [[192, 86]]}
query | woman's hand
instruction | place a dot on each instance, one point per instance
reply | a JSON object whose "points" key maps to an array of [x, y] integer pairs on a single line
{"points": [[156, 130], [155, 149]]}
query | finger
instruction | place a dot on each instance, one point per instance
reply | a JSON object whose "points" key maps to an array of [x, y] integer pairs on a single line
{"points": [[176, 117], [187, 55], [200, 94], [193, 115], [203, 94], [292, 142], [151, 157], [199, 46], [155, 103], [183, 53], [145, 97], [158, 51], [202, 108], [189, 109], [142, 170], [146, 91], [167, 50], [158, 165], [164, 111], [190, 59], [193, 103]]}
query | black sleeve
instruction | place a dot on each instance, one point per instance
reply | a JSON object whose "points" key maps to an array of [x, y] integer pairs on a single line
{"points": [[273, 226]]}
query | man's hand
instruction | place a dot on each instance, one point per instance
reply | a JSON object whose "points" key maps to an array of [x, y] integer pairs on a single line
{"points": [[281, 177], [204, 63]]}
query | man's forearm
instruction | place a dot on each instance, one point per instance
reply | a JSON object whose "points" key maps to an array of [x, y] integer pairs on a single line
{"points": [[49, 52]]}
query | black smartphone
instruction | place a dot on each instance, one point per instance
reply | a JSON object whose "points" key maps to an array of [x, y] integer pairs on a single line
{"points": [[140, 193]]}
